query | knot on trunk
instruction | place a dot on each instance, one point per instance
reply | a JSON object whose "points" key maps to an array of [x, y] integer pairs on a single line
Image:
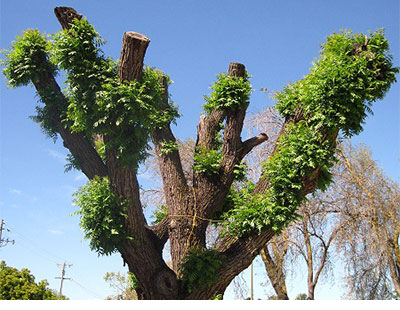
{"points": [[166, 283]]}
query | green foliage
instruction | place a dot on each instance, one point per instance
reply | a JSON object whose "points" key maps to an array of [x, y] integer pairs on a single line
{"points": [[20, 285], [27, 59], [45, 122], [351, 73], [77, 51], [98, 103], [341, 86], [240, 171], [207, 161], [100, 148], [199, 268], [72, 163], [102, 216], [133, 281], [229, 93], [217, 297], [234, 198], [168, 147], [159, 214]]}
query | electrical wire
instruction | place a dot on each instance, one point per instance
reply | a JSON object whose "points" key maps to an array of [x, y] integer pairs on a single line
{"points": [[34, 246], [87, 290]]}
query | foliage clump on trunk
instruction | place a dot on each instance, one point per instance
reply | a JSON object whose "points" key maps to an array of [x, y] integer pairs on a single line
{"points": [[102, 216], [199, 268]]}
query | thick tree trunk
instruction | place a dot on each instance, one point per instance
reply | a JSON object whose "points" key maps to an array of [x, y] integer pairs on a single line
{"points": [[189, 207], [143, 255]]}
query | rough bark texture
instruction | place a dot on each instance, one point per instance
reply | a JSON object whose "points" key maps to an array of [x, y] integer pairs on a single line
{"points": [[134, 46], [66, 16], [275, 274], [189, 206]]}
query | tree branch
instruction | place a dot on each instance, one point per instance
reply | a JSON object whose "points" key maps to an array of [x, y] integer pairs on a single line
{"points": [[233, 127], [156, 280], [80, 147], [66, 16], [251, 143], [134, 46], [170, 163]]}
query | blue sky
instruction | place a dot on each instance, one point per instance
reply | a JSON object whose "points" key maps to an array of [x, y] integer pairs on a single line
{"points": [[192, 41]]}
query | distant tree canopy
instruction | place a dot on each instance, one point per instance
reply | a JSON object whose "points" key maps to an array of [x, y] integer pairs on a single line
{"points": [[20, 285]]}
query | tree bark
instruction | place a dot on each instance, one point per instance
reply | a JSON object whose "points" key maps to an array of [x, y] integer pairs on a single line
{"points": [[275, 274], [134, 46], [144, 254], [66, 16]]}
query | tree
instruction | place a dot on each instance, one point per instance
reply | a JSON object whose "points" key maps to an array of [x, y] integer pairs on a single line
{"points": [[124, 285], [20, 285], [311, 239], [111, 111], [274, 257], [369, 201]]}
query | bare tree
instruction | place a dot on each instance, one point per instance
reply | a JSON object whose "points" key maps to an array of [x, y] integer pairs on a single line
{"points": [[370, 245]]}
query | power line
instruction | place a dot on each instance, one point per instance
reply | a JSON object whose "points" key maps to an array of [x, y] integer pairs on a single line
{"points": [[86, 289], [36, 247]]}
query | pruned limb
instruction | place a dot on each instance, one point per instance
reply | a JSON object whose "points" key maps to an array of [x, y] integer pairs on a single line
{"points": [[251, 143], [80, 147], [170, 164], [134, 46], [156, 280], [66, 16], [233, 128], [160, 232]]}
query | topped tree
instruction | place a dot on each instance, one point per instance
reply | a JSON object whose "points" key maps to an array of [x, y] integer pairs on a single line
{"points": [[112, 111]]}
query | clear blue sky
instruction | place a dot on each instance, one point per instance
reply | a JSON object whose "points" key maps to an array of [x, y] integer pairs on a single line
{"points": [[191, 41]]}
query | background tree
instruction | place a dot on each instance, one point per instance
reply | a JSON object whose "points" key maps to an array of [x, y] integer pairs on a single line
{"points": [[20, 285], [124, 285], [111, 111], [312, 237], [370, 245]]}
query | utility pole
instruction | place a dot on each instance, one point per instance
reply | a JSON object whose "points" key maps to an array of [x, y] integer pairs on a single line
{"points": [[62, 276], [3, 242]]}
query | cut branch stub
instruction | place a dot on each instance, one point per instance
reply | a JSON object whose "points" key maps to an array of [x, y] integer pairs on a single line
{"points": [[236, 69], [134, 47], [66, 16]]}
